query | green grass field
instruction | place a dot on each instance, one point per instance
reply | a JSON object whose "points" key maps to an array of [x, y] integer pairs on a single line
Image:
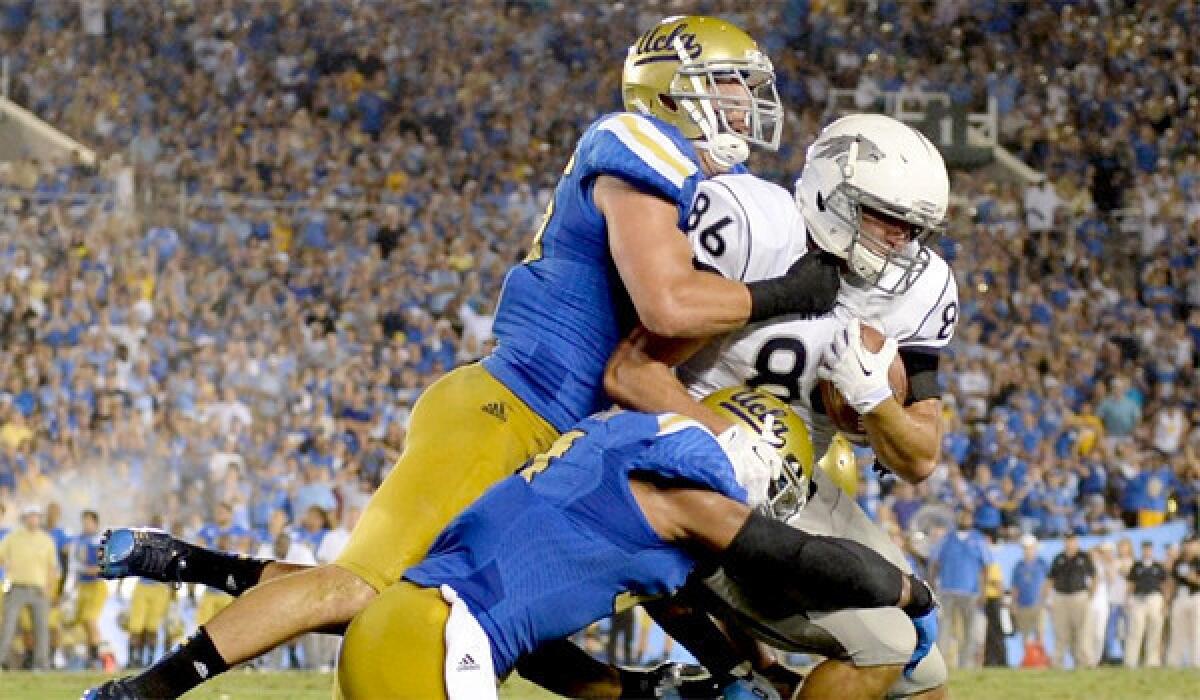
{"points": [[1105, 684]]}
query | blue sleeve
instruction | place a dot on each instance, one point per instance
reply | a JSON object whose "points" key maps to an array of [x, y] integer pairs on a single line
{"points": [[638, 150], [692, 455]]}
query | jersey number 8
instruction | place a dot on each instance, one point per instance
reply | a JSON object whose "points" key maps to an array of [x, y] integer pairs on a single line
{"points": [[787, 353]]}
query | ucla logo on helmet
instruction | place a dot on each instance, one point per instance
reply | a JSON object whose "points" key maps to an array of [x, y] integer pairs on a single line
{"points": [[655, 46], [752, 407]]}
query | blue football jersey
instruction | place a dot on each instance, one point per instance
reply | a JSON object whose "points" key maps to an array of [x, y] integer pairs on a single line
{"points": [[563, 543], [563, 310]]}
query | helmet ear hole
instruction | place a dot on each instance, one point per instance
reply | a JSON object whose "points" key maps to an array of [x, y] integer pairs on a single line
{"points": [[668, 102], [820, 203]]}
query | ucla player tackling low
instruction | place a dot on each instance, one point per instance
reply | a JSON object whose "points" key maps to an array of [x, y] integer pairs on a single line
{"points": [[872, 191], [608, 255], [617, 511]]}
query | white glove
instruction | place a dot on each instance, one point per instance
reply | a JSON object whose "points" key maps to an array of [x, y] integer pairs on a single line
{"points": [[859, 374], [756, 464]]}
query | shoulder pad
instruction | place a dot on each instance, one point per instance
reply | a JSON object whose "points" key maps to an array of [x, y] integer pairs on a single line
{"points": [[649, 154], [930, 307], [745, 227]]}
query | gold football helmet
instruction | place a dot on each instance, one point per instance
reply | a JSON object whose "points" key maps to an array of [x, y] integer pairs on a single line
{"points": [[840, 464], [788, 434], [687, 71]]}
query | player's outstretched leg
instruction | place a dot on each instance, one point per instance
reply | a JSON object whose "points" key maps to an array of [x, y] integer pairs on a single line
{"points": [[157, 555], [315, 599]]}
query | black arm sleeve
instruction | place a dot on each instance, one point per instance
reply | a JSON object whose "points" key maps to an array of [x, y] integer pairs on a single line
{"points": [[811, 572], [921, 366], [809, 287]]}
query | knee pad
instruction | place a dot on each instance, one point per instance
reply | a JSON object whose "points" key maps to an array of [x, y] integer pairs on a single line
{"points": [[870, 636], [880, 636]]}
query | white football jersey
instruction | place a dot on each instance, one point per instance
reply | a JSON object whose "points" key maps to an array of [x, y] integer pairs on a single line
{"points": [[749, 229]]}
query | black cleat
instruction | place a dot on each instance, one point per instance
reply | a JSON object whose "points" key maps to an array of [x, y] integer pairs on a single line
{"points": [[117, 689], [143, 551]]}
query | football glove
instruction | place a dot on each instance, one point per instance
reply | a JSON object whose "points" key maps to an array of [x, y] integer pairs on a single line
{"points": [[756, 464], [859, 374], [927, 632]]}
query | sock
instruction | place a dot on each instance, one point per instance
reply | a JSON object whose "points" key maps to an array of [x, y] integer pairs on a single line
{"points": [[135, 649], [231, 573], [148, 654], [93, 652], [185, 667]]}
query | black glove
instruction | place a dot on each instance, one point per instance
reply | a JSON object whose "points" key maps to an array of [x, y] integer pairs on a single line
{"points": [[810, 287]]}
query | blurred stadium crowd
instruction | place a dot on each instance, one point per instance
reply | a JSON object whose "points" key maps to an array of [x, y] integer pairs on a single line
{"points": [[303, 212]]}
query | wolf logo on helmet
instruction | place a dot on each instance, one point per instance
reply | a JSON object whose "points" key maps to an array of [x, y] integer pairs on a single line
{"points": [[838, 148]]}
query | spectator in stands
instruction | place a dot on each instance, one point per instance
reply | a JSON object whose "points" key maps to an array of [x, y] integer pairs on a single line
{"points": [[1073, 578], [30, 560], [1041, 206], [1147, 578], [1119, 412]]}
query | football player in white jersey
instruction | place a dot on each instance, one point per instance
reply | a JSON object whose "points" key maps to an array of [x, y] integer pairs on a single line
{"points": [[872, 192]]}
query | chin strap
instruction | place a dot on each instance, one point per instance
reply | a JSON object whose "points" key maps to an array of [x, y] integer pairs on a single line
{"points": [[726, 150]]}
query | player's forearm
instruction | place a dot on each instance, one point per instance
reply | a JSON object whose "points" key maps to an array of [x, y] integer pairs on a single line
{"points": [[639, 376], [700, 305], [697, 305], [906, 440]]}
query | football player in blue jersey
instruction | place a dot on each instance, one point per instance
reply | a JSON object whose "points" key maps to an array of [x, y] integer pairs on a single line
{"points": [[608, 254]]}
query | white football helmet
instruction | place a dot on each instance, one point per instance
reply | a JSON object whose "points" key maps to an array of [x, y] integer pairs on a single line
{"points": [[875, 162]]}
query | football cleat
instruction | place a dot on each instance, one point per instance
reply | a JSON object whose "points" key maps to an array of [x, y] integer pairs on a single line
{"points": [[143, 551], [116, 689]]}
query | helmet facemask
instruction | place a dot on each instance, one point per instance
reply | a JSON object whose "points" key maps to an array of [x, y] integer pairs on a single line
{"points": [[697, 89], [887, 268], [788, 494]]}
